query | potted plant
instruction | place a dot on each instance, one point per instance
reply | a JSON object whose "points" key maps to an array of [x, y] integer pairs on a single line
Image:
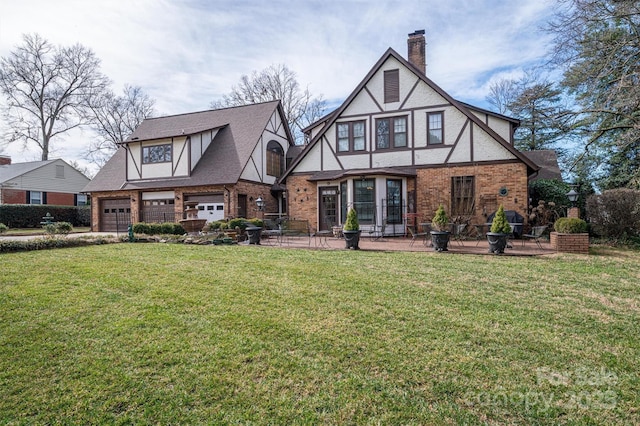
{"points": [[500, 230], [351, 230], [439, 232]]}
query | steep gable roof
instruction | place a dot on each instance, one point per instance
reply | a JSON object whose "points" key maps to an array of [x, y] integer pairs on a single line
{"points": [[239, 127], [390, 53]]}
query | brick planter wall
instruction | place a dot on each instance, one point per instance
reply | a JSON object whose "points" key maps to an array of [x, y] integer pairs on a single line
{"points": [[570, 243]]}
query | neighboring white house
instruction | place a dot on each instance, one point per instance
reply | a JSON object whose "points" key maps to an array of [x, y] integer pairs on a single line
{"points": [[53, 182]]}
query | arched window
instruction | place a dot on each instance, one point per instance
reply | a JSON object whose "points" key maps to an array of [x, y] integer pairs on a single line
{"points": [[275, 159]]}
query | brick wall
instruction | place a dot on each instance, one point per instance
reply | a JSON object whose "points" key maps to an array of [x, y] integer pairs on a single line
{"points": [[570, 243], [302, 199], [19, 196], [13, 196], [60, 199], [250, 189], [434, 188], [573, 212]]}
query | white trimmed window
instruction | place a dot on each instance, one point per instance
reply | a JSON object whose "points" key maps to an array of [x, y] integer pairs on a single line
{"points": [[35, 197]]}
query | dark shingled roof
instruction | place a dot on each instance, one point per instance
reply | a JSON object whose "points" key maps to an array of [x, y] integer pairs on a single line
{"points": [[332, 117], [222, 163], [547, 160]]}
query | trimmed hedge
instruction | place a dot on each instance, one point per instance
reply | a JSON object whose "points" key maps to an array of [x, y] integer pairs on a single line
{"points": [[158, 228], [11, 246], [570, 225], [30, 215]]}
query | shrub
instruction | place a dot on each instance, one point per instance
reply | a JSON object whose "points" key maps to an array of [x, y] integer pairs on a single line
{"points": [[440, 221], [158, 228], [215, 225], [500, 224], [615, 213], [30, 215], [63, 227], [257, 222], [352, 224], [3, 228], [238, 222], [10, 246], [549, 191], [570, 225]]}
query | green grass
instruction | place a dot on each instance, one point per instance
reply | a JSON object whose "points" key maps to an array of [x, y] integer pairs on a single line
{"points": [[178, 334]]}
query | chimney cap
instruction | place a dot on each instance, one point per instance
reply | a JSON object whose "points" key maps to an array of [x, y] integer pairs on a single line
{"points": [[417, 32]]}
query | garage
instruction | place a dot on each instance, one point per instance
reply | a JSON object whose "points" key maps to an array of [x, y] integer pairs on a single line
{"points": [[115, 215], [210, 206]]}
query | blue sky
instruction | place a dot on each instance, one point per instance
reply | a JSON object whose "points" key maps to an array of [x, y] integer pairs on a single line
{"points": [[187, 53]]}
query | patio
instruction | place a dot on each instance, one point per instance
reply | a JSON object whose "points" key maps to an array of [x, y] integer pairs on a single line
{"points": [[471, 246]]}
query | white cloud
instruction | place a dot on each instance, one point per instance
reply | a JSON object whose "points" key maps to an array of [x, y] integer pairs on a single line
{"points": [[186, 53]]}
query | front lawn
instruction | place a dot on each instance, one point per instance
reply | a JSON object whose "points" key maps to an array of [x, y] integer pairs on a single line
{"points": [[179, 334]]}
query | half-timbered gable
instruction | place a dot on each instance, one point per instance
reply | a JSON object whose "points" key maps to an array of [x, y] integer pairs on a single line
{"points": [[398, 147]]}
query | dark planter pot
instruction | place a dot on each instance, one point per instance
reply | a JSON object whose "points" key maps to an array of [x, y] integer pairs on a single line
{"points": [[253, 234], [352, 239], [440, 240], [497, 242]]}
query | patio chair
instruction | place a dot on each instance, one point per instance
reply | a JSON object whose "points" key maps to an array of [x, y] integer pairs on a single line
{"points": [[415, 235], [320, 237], [458, 231], [536, 233]]}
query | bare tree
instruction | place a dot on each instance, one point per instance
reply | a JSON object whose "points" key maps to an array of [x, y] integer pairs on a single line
{"points": [[47, 89], [277, 82], [501, 94], [115, 118]]}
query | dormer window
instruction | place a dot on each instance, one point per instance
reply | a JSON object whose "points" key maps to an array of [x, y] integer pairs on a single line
{"points": [[156, 154]]}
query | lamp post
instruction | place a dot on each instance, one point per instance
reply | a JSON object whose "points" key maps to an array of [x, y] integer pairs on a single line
{"points": [[573, 197]]}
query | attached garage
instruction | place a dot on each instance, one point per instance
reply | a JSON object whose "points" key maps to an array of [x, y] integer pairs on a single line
{"points": [[115, 215], [210, 206], [158, 207]]}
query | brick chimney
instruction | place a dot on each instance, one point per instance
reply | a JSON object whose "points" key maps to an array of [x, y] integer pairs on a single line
{"points": [[417, 55], [5, 160]]}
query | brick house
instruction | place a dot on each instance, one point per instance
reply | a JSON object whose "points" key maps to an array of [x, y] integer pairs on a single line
{"points": [[399, 146], [52, 182], [225, 159]]}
